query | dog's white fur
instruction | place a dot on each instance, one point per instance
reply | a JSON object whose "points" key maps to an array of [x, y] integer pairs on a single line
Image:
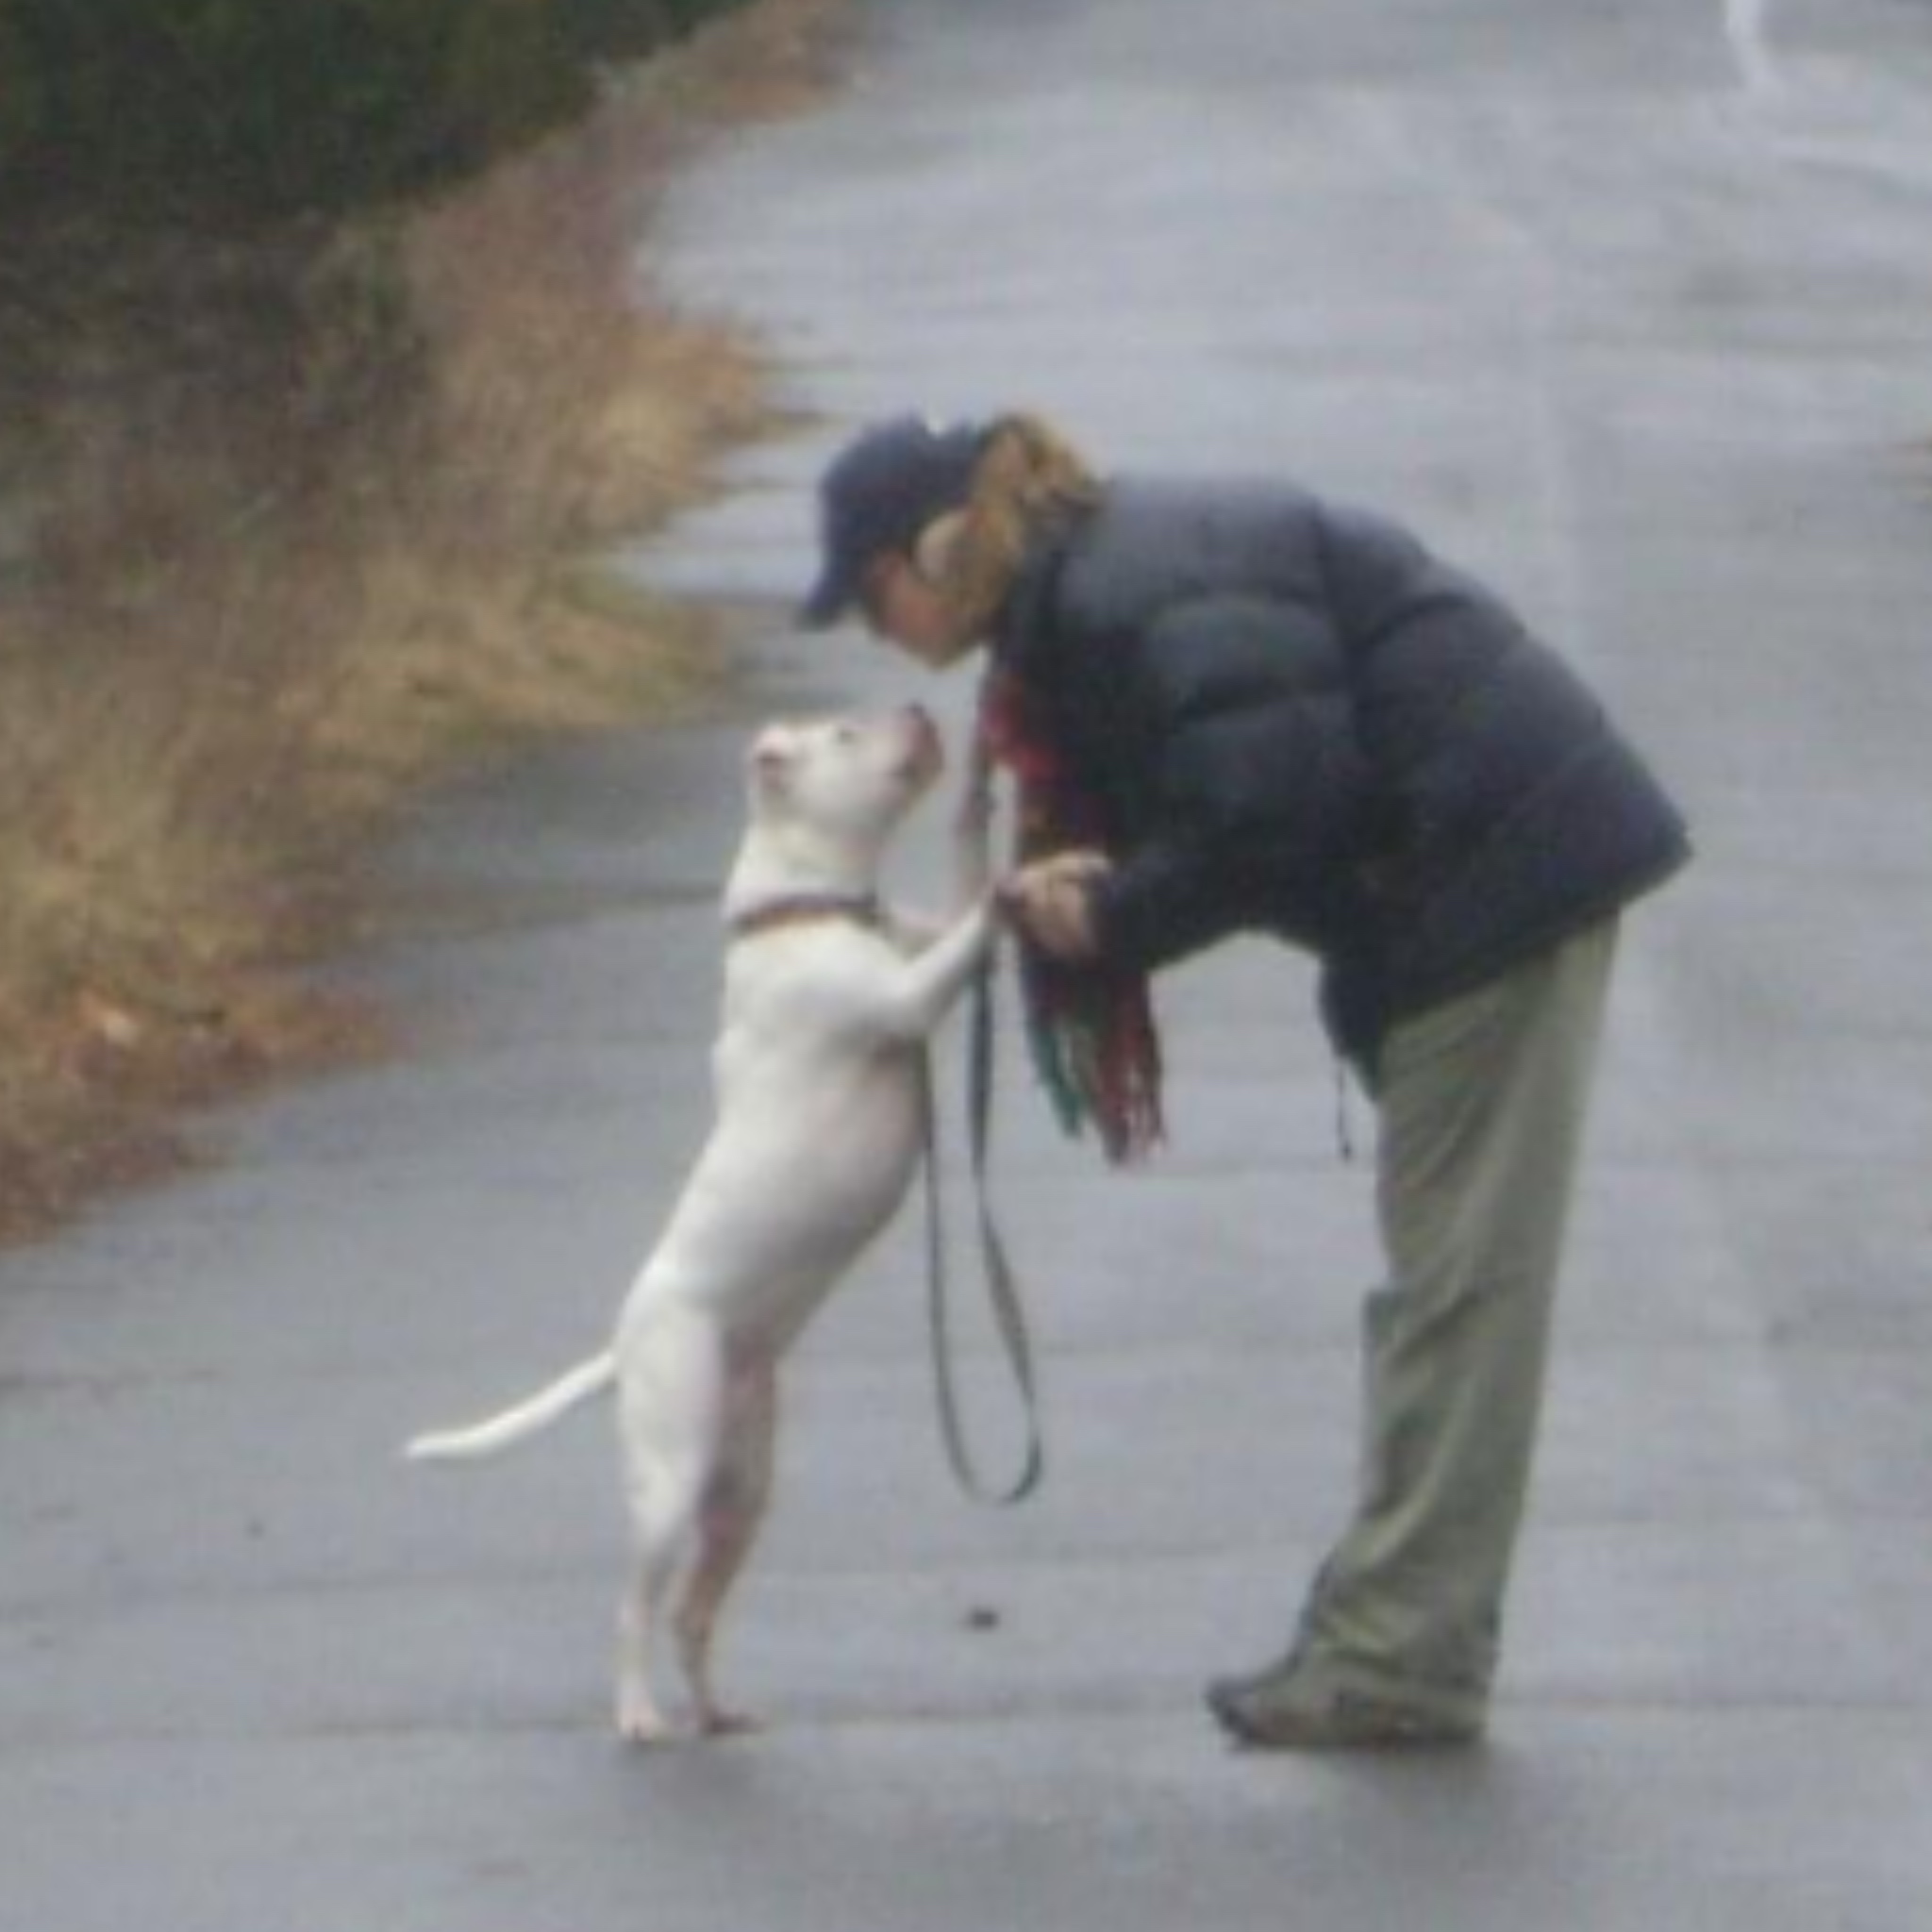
{"points": [[818, 1072]]}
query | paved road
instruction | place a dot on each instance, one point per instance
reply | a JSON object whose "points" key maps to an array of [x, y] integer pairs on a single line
{"points": [[1630, 306]]}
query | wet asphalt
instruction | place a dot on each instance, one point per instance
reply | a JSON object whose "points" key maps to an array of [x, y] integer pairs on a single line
{"points": [[1630, 306]]}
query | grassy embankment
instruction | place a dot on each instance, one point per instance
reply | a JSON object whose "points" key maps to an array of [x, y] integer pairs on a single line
{"points": [[257, 595]]}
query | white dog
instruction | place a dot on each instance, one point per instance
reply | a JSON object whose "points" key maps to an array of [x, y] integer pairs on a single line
{"points": [[829, 999]]}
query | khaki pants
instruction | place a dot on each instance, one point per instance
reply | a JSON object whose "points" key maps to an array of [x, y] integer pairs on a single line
{"points": [[1482, 1105]]}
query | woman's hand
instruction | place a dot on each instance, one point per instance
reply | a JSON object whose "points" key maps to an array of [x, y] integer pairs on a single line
{"points": [[1052, 903]]}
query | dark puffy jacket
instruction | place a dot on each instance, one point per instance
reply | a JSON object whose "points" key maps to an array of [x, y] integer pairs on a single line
{"points": [[1293, 718]]}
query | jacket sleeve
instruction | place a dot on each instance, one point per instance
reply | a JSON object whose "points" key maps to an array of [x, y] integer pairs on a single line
{"points": [[1163, 903]]}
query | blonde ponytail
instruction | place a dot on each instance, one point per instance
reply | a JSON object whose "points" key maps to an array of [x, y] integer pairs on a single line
{"points": [[1027, 476]]}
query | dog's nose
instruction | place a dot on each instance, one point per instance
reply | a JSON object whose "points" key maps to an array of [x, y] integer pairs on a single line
{"points": [[924, 747]]}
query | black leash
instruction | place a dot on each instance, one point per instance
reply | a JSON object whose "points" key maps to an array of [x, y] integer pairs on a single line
{"points": [[1002, 1288]]}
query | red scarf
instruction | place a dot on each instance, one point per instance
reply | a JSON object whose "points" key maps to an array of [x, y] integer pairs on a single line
{"points": [[1091, 1028]]}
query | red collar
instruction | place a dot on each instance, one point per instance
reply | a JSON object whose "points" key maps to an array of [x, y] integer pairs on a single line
{"points": [[805, 908]]}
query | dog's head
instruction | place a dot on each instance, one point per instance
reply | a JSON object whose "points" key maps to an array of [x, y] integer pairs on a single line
{"points": [[848, 778]]}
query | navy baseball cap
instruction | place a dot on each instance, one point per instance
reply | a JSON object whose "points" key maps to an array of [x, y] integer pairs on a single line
{"points": [[877, 494]]}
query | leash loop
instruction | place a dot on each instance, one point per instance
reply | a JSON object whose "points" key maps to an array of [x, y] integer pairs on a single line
{"points": [[1002, 1286]]}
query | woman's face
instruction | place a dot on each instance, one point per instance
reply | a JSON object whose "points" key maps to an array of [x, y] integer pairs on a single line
{"points": [[902, 608]]}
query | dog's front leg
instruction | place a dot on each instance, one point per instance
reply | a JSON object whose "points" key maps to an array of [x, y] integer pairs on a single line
{"points": [[972, 874], [924, 990]]}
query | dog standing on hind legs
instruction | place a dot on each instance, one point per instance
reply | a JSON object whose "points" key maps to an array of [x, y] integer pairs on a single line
{"points": [[830, 997]]}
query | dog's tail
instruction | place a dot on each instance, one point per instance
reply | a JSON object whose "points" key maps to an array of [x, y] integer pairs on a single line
{"points": [[526, 1419]]}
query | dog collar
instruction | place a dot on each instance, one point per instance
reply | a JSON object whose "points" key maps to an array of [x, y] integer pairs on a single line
{"points": [[805, 908]]}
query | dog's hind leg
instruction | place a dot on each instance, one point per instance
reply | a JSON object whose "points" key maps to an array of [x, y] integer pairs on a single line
{"points": [[639, 1718], [673, 1417], [729, 1525]]}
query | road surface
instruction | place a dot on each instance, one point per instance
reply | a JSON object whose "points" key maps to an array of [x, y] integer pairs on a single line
{"points": [[1630, 306]]}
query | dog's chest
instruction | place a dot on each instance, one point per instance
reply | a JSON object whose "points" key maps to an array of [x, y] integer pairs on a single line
{"points": [[802, 1009]]}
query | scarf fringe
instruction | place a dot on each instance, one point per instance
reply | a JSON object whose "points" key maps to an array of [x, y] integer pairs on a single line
{"points": [[1091, 1033]]}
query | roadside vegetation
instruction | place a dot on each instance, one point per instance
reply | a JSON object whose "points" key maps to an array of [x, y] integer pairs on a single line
{"points": [[313, 410]]}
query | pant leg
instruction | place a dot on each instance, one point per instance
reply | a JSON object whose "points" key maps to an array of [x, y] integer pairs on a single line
{"points": [[1482, 1105]]}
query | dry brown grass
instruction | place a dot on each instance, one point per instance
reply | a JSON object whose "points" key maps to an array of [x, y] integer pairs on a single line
{"points": [[265, 608]]}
